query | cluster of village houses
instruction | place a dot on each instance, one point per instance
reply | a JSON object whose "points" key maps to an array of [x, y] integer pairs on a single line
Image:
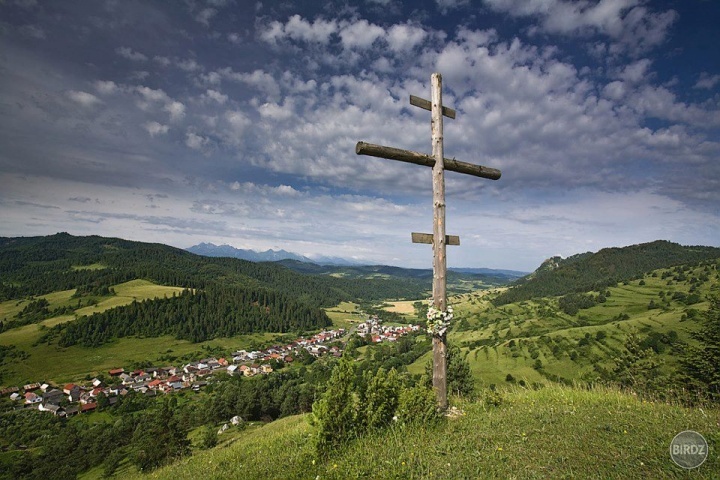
{"points": [[72, 399]]}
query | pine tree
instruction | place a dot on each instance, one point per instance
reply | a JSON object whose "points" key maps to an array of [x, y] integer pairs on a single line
{"points": [[334, 413]]}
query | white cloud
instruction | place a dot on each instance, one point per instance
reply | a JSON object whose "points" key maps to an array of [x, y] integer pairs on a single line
{"points": [[176, 110], [130, 54], [402, 38], [164, 61], [195, 141], [614, 90], [106, 87], [360, 34], [235, 38], [155, 128], [275, 111], [632, 26], [83, 98], [299, 29], [152, 95], [259, 79], [205, 15], [660, 102], [215, 96], [189, 65], [636, 72], [707, 81], [232, 129]]}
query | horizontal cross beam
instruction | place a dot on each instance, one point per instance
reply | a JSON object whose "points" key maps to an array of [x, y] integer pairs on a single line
{"points": [[408, 156], [428, 238], [426, 105]]}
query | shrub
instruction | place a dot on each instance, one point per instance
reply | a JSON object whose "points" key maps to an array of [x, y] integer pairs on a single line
{"points": [[379, 401], [417, 405]]}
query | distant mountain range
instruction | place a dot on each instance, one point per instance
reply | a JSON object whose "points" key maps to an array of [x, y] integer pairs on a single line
{"points": [[212, 250]]}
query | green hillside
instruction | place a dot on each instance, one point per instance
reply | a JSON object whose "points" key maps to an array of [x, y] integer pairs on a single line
{"points": [[595, 271], [535, 340], [554, 432]]}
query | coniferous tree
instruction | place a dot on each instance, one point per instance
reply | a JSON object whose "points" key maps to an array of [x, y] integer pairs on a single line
{"points": [[334, 413], [702, 364]]}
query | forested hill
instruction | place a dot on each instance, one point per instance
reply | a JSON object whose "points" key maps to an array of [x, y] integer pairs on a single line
{"points": [[40, 265], [596, 271]]}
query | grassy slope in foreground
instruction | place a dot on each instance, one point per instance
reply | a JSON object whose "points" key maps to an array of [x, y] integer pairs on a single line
{"points": [[549, 433]]}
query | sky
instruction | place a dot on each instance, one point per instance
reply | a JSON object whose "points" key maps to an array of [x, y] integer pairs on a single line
{"points": [[235, 122]]}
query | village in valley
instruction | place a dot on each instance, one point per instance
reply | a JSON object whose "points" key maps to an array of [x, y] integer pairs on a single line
{"points": [[72, 399]]}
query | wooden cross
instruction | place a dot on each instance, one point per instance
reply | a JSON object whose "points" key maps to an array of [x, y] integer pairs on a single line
{"points": [[438, 238]]}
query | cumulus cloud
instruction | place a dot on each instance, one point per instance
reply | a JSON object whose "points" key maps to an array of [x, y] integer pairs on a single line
{"points": [[106, 87], [275, 111], [258, 79], [707, 81], [629, 23], [205, 15], [215, 96], [299, 29], [155, 128], [360, 34], [83, 98], [188, 65], [405, 37], [195, 141], [176, 110], [130, 54]]}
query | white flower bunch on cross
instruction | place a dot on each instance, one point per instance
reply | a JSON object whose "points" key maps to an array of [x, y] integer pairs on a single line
{"points": [[437, 320]]}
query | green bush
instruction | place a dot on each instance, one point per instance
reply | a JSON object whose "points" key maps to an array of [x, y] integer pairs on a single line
{"points": [[380, 399], [417, 405]]}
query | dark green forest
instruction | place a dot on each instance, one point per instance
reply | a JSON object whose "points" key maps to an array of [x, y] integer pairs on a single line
{"points": [[597, 271], [195, 316]]}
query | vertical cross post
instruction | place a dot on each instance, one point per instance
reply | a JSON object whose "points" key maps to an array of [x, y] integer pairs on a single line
{"points": [[438, 238], [439, 250]]}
